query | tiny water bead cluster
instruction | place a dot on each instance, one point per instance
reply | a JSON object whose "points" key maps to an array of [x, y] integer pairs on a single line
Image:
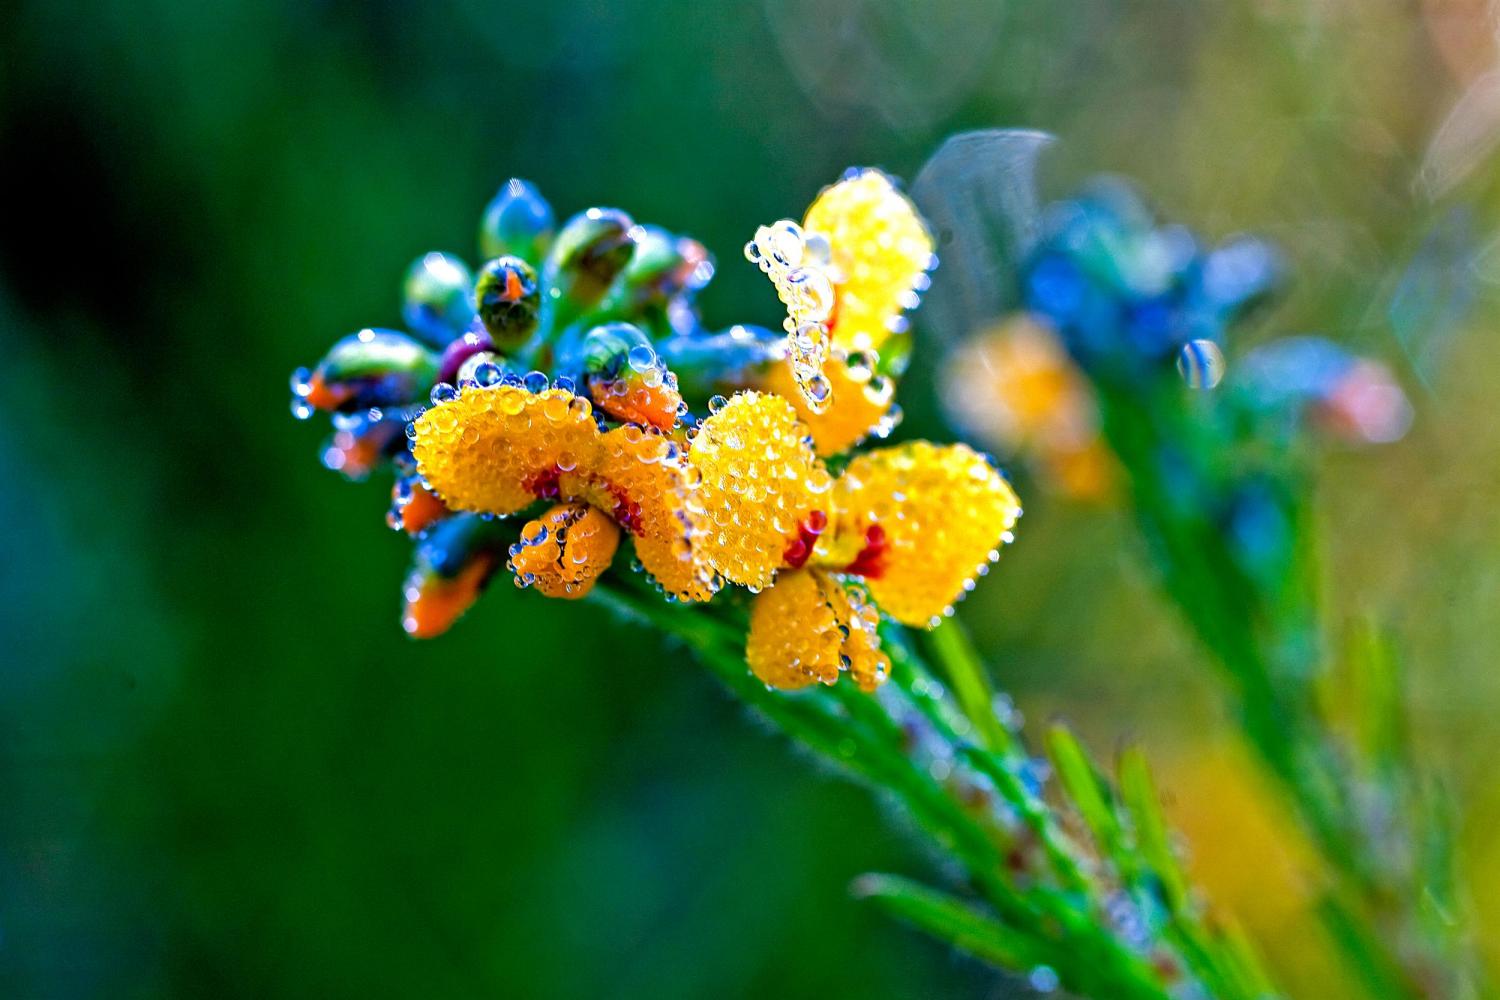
{"points": [[1113, 298], [562, 412]]}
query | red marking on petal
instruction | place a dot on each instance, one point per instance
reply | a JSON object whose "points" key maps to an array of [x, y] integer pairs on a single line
{"points": [[545, 485], [870, 563], [800, 548], [627, 513]]}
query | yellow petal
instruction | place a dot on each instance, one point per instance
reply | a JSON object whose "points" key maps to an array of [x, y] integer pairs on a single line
{"points": [[641, 480], [881, 253], [758, 482], [923, 521], [859, 403], [808, 628], [498, 449], [563, 552]]}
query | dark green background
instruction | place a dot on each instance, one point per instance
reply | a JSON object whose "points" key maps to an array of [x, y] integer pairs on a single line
{"points": [[223, 769]]}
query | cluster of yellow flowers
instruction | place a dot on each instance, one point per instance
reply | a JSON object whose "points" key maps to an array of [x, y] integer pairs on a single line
{"points": [[744, 497]]}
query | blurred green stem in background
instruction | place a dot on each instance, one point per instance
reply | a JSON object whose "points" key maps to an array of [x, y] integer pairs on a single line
{"points": [[1080, 890], [1389, 903]]}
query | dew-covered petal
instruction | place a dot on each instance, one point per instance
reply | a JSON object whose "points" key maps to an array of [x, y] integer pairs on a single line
{"points": [[880, 252], [758, 481], [920, 522], [642, 481], [809, 628], [564, 551], [499, 448]]}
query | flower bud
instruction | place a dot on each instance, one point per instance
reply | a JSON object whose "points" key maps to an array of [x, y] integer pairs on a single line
{"points": [[590, 252], [371, 368], [509, 301], [517, 222], [438, 298], [627, 379], [453, 564], [665, 266]]}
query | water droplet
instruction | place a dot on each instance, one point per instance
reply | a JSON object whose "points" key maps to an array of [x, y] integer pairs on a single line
{"points": [[642, 358], [1201, 364], [1043, 979]]}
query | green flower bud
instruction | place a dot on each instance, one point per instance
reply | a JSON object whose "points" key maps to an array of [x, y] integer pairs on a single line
{"points": [[508, 301], [590, 252]]}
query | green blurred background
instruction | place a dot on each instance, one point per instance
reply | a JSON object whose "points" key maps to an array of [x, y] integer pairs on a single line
{"points": [[226, 772]]}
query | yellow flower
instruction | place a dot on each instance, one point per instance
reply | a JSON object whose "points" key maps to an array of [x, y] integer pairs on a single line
{"points": [[915, 524], [1015, 386], [809, 628], [847, 274], [500, 449]]}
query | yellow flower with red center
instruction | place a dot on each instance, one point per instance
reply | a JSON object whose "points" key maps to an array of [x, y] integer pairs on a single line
{"points": [[915, 524], [500, 449], [847, 274]]}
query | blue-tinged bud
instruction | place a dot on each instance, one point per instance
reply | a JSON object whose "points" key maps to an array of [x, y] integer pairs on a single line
{"points": [[665, 266], [454, 562], [517, 222], [439, 298]]}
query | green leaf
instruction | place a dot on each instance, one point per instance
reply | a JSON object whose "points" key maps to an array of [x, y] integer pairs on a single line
{"points": [[949, 919], [1152, 837], [971, 683], [1085, 789]]}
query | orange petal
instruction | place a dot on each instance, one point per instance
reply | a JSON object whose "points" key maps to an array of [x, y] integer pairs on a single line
{"points": [[641, 481], [758, 481], [808, 628], [636, 401], [921, 521], [564, 551], [498, 449], [415, 508], [434, 602]]}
